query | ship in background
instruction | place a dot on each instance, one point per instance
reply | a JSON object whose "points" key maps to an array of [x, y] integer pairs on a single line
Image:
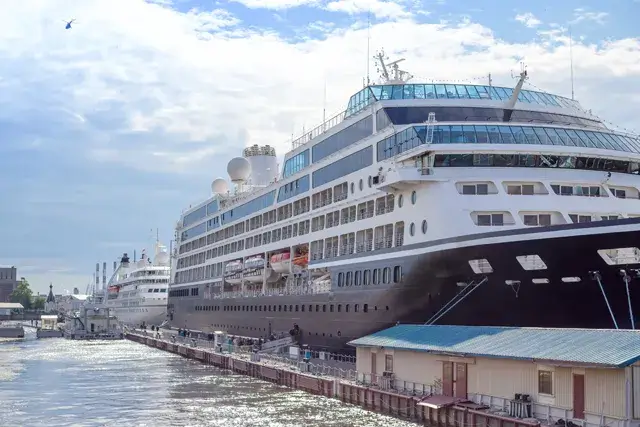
{"points": [[136, 293], [422, 202]]}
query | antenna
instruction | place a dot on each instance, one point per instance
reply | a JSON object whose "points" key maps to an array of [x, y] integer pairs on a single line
{"points": [[571, 61], [368, 44]]}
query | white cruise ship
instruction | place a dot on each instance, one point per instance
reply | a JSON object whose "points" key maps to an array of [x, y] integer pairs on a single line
{"points": [[137, 293], [422, 202]]}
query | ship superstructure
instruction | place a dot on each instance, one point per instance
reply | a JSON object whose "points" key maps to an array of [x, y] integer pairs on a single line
{"points": [[137, 293], [457, 203]]}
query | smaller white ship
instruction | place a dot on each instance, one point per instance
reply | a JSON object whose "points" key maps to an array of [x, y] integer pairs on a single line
{"points": [[137, 293], [92, 323]]}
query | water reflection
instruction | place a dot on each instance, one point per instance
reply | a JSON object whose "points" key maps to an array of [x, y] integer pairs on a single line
{"points": [[65, 383]]}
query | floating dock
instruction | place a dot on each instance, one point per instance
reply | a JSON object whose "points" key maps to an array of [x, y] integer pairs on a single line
{"points": [[417, 405]]}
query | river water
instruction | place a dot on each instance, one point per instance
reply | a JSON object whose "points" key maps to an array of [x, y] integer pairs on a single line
{"points": [[57, 382]]}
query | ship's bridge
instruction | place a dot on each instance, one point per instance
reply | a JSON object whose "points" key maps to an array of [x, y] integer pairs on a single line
{"points": [[415, 91]]}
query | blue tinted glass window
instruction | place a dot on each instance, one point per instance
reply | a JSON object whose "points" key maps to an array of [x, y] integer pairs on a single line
{"points": [[457, 136], [554, 138], [212, 207], [538, 98], [473, 93], [553, 100], [343, 139], [632, 143], [429, 92], [419, 91], [462, 91], [542, 136], [451, 91], [382, 119], [482, 135], [508, 92], [294, 188], [408, 92], [296, 163], [494, 135], [574, 137], [469, 133], [584, 138], [213, 223], [194, 216], [530, 135], [386, 92], [611, 141], [593, 138], [194, 231], [249, 208], [521, 97], [483, 92], [349, 164], [376, 91], [396, 92], [441, 91], [506, 135], [518, 135], [495, 94]]}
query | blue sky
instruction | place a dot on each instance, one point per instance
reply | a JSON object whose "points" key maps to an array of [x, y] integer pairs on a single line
{"points": [[110, 129]]}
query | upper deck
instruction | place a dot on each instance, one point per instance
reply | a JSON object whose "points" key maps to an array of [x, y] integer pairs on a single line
{"points": [[398, 102]]}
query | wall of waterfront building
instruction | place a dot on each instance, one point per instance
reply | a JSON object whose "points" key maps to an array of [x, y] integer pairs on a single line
{"points": [[604, 393]]}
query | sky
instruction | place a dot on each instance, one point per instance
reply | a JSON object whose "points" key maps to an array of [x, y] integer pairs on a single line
{"points": [[110, 129]]}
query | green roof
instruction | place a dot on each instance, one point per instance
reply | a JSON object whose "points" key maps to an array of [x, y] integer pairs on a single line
{"points": [[601, 347]]}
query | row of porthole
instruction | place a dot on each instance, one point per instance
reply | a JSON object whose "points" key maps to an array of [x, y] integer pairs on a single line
{"points": [[356, 308], [412, 228], [249, 328]]}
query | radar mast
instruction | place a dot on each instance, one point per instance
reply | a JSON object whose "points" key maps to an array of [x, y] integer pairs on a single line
{"points": [[390, 72]]}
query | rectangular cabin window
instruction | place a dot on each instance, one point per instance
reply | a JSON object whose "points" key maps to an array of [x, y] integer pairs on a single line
{"points": [[490, 219], [580, 218], [545, 382], [475, 189], [621, 194], [609, 217], [539, 219]]}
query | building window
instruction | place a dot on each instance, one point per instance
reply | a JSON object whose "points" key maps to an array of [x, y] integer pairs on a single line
{"points": [[388, 363], [545, 382]]}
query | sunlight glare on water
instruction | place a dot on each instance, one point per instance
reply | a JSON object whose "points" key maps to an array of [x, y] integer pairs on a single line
{"points": [[57, 382]]}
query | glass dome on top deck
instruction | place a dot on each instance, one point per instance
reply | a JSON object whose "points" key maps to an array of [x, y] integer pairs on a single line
{"points": [[371, 94]]}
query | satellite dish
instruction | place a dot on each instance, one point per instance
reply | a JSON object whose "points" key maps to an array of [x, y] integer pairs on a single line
{"points": [[219, 186], [239, 169]]}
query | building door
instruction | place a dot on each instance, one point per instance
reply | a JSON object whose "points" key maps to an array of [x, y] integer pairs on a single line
{"points": [[578, 396], [447, 378], [461, 380]]}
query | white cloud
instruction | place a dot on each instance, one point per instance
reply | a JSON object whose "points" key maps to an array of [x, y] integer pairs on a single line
{"points": [[276, 4], [378, 8], [580, 15], [528, 19]]}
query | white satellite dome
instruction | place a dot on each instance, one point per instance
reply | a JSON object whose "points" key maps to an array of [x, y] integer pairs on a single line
{"points": [[239, 169], [219, 186]]}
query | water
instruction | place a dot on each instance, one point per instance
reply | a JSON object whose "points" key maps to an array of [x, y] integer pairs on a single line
{"points": [[57, 382]]}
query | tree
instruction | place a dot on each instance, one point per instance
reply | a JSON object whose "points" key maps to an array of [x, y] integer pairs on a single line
{"points": [[38, 304], [22, 293]]}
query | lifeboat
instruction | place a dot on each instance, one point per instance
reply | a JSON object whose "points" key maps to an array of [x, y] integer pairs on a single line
{"points": [[254, 269], [281, 263], [233, 272], [113, 291]]}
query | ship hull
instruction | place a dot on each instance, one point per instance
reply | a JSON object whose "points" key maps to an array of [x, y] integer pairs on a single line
{"points": [[433, 273]]}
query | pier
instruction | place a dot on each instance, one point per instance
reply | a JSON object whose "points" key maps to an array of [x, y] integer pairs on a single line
{"points": [[405, 400]]}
